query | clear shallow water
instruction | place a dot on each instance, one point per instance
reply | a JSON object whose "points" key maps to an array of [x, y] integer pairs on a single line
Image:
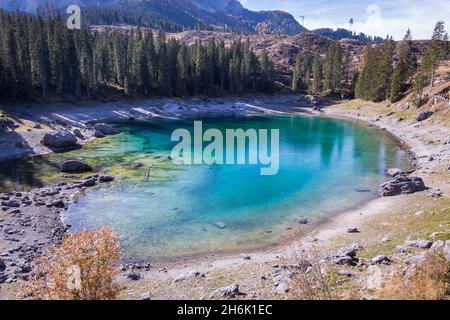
{"points": [[162, 210]]}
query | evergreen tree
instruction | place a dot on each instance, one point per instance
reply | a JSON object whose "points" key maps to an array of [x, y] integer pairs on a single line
{"points": [[296, 78], [404, 69], [316, 84]]}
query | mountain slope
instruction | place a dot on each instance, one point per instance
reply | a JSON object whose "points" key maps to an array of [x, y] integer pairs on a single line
{"points": [[187, 14]]}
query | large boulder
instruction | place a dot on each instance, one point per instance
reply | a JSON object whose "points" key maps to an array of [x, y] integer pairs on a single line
{"points": [[75, 166], [401, 185], [59, 140], [103, 128]]}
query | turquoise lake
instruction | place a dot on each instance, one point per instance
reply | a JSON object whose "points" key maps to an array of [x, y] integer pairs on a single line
{"points": [[163, 210]]}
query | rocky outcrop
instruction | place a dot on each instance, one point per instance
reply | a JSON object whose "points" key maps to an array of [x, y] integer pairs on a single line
{"points": [[59, 140], [401, 185], [75, 166]]}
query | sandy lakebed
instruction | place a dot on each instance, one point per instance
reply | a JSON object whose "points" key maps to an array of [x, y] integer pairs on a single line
{"points": [[382, 223]]}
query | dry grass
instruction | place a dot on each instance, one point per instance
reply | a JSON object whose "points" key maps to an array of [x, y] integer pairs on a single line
{"points": [[81, 268], [429, 280], [314, 278]]}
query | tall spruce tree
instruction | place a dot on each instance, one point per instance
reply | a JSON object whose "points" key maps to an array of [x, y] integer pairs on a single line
{"points": [[404, 69]]}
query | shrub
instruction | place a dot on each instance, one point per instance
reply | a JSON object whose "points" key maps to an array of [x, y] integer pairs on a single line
{"points": [[428, 280], [81, 268], [314, 279]]}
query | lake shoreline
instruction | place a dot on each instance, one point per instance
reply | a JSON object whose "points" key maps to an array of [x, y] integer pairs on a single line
{"points": [[314, 234]]}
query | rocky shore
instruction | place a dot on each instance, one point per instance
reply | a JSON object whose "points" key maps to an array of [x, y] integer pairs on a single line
{"points": [[31, 221]]}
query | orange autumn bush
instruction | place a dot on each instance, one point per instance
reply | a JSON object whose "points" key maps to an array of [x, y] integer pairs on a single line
{"points": [[81, 268]]}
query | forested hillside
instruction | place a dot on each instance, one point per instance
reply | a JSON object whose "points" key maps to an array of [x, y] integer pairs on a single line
{"points": [[386, 71], [171, 15], [41, 57]]}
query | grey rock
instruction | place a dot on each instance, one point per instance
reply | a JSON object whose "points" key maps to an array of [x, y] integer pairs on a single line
{"points": [[282, 287], [345, 273], [58, 140], [2, 265], [145, 296], [75, 166], [400, 249], [134, 275], [437, 246], [230, 291], [353, 230], [343, 260], [220, 225], [11, 204], [188, 275], [88, 182], [380, 259], [104, 128], [401, 185], [435, 193], [105, 178], [422, 244], [350, 250], [424, 116], [98, 134], [393, 172], [58, 204], [78, 134]]}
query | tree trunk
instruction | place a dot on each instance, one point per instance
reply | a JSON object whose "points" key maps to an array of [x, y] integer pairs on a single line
{"points": [[433, 75]]}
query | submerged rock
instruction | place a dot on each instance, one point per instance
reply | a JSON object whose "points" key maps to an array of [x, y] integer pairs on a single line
{"points": [[220, 225], [59, 140], [303, 221], [401, 185], [75, 166]]}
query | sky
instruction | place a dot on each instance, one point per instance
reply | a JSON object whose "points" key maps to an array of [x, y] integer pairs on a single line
{"points": [[378, 18]]}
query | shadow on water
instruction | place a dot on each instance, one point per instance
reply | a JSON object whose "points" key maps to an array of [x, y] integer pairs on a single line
{"points": [[27, 173]]}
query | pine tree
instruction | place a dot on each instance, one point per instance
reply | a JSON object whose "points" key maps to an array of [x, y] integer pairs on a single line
{"points": [[316, 84], [436, 51], [266, 73], [404, 69]]}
